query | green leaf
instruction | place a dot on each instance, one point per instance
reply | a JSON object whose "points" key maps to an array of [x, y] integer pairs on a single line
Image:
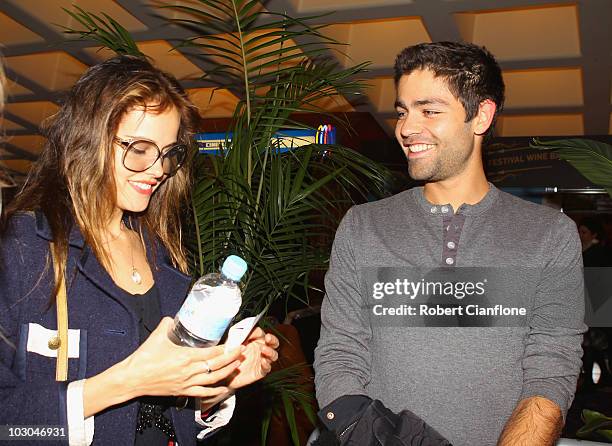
{"points": [[290, 415], [103, 30], [308, 409], [595, 423], [265, 425], [589, 416], [607, 434], [593, 159]]}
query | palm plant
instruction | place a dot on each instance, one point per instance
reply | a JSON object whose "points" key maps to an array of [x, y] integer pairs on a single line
{"points": [[597, 426], [275, 208], [270, 206]]}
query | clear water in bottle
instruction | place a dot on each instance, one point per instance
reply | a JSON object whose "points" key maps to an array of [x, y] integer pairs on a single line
{"points": [[210, 306]]}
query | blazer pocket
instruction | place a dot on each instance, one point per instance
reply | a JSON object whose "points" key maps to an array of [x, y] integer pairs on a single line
{"points": [[40, 359]]}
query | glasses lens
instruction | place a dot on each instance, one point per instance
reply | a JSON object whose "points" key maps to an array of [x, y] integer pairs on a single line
{"points": [[174, 158], [140, 156]]}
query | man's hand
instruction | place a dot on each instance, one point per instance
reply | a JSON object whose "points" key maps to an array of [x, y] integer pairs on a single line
{"points": [[536, 421]]}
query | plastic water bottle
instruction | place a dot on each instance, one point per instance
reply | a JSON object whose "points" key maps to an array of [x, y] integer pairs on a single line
{"points": [[210, 306]]}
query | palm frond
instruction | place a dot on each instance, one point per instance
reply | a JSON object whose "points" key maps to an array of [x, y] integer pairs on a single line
{"points": [[106, 31], [286, 388], [593, 159]]}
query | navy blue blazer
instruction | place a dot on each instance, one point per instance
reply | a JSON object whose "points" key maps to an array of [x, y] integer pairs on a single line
{"points": [[108, 330]]}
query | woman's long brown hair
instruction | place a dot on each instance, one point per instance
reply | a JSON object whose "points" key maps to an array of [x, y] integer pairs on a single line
{"points": [[2, 83], [72, 182]]}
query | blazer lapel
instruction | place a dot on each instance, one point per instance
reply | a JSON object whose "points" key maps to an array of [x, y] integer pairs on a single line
{"points": [[91, 268], [172, 284]]}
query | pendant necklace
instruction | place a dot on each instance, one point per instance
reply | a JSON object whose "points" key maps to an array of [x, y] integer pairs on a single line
{"points": [[136, 277]]}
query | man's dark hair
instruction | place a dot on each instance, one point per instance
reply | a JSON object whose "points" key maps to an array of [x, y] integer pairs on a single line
{"points": [[594, 225], [471, 72]]}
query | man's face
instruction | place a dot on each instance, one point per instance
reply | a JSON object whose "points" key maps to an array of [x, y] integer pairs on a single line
{"points": [[431, 128], [586, 236]]}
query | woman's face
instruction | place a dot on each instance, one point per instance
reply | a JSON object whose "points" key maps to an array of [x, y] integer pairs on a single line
{"points": [[134, 189]]}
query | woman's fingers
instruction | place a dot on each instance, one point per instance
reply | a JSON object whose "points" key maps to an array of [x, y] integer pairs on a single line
{"points": [[272, 340], [206, 392], [256, 334], [213, 360], [204, 378], [220, 359], [201, 354], [210, 358], [266, 367], [269, 353]]}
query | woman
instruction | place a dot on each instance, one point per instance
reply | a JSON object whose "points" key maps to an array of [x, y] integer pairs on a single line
{"points": [[107, 191]]}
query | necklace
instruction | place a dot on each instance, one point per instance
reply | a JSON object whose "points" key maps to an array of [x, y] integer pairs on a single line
{"points": [[135, 274], [136, 277]]}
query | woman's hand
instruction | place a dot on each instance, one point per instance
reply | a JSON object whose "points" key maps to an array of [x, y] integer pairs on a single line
{"points": [[161, 368], [257, 359]]}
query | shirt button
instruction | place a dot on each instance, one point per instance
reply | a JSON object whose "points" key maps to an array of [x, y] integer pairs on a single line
{"points": [[451, 245], [330, 415], [450, 261], [434, 209], [444, 209]]}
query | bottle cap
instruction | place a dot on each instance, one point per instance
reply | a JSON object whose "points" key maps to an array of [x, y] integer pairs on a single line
{"points": [[234, 268]]}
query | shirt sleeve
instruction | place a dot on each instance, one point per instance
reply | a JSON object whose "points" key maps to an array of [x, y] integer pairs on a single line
{"points": [[552, 358], [219, 418], [342, 357], [80, 429]]}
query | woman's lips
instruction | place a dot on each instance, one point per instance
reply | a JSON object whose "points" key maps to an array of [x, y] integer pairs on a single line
{"points": [[142, 187]]}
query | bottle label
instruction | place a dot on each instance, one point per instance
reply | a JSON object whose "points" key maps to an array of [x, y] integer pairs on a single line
{"points": [[208, 311]]}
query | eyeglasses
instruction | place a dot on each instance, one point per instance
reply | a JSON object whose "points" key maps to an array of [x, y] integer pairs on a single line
{"points": [[142, 154]]}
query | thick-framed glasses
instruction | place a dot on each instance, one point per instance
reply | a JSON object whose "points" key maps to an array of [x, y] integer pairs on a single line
{"points": [[142, 154]]}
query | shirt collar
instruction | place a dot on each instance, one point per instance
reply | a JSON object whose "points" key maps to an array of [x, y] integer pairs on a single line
{"points": [[446, 209]]}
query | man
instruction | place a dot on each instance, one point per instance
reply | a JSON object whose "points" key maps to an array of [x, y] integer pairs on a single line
{"points": [[476, 386]]}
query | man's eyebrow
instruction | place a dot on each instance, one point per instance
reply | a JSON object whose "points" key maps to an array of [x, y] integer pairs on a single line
{"points": [[421, 102], [430, 101]]}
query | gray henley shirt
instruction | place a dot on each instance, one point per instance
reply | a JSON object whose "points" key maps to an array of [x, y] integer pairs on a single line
{"points": [[463, 381]]}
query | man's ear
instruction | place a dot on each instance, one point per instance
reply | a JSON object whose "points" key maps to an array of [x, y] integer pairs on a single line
{"points": [[484, 117]]}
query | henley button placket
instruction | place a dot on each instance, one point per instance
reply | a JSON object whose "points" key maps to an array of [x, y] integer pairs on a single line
{"points": [[452, 226]]}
